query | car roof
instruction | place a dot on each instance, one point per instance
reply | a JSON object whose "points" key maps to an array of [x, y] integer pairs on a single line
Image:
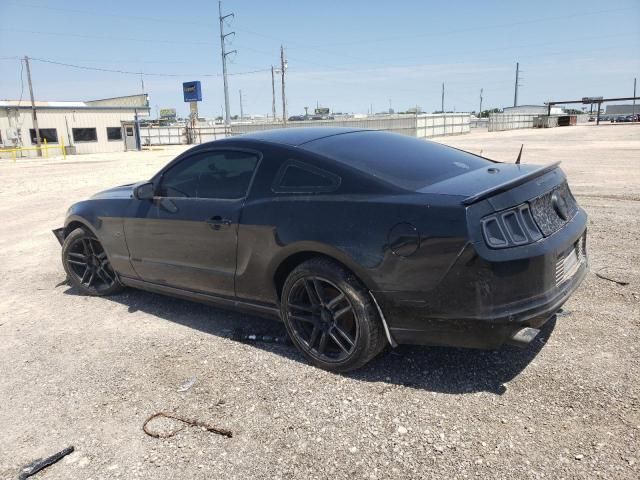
{"points": [[296, 136]]}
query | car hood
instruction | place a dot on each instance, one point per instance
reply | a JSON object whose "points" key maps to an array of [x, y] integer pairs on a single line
{"points": [[123, 191]]}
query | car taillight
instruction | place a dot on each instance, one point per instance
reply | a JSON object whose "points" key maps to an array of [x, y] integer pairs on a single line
{"points": [[510, 228]]}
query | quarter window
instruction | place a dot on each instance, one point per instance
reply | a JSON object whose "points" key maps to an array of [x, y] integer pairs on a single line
{"points": [[114, 133], [298, 177], [85, 135], [48, 134], [210, 175]]}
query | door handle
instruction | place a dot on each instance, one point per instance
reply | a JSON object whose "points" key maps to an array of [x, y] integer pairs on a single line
{"points": [[218, 222]]}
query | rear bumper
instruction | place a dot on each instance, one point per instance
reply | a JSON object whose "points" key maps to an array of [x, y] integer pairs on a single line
{"points": [[483, 304], [486, 331]]}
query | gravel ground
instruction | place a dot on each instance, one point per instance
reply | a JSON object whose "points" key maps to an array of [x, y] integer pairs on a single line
{"points": [[87, 372]]}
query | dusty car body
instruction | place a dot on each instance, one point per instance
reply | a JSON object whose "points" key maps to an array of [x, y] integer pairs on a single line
{"points": [[417, 242]]}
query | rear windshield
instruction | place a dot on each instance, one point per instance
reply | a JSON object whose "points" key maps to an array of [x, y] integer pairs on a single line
{"points": [[406, 162]]}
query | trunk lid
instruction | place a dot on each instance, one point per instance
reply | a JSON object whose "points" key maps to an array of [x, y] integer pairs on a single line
{"points": [[487, 182]]}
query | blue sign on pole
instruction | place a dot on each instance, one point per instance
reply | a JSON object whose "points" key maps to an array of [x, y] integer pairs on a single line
{"points": [[192, 91]]}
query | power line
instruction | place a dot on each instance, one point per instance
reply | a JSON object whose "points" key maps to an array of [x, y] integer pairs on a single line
{"points": [[119, 17], [174, 21], [386, 68], [104, 37], [465, 30], [345, 66], [149, 74]]}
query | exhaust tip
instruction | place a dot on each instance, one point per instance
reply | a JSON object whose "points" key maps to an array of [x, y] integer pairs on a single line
{"points": [[523, 337]]}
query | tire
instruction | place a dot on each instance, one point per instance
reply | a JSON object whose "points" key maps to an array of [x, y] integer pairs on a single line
{"points": [[330, 316], [87, 266]]}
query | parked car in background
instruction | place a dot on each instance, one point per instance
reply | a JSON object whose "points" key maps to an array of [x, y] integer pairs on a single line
{"points": [[355, 239]]}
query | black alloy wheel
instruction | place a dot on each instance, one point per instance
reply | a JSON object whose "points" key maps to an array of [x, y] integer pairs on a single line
{"points": [[87, 265], [330, 317], [323, 318]]}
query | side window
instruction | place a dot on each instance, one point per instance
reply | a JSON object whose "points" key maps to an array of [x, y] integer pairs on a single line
{"points": [[215, 174], [299, 177]]}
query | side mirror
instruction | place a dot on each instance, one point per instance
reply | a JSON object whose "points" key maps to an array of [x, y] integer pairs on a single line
{"points": [[144, 191]]}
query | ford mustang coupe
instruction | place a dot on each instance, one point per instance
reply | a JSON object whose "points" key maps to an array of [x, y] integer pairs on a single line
{"points": [[355, 239]]}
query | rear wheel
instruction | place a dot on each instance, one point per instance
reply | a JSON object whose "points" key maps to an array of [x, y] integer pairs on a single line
{"points": [[87, 266], [330, 316]]}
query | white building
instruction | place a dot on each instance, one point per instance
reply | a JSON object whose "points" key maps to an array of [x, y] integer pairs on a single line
{"points": [[106, 125], [533, 110]]}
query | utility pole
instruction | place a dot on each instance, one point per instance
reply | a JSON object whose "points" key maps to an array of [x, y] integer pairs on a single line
{"points": [[223, 36], [480, 112], [34, 116], [633, 118], [515, 95], [273, 94], [241, 111], [442, 106], [283, 67]]}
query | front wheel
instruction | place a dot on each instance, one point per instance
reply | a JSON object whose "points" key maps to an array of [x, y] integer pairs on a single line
{"points": [[87, 266], [330, 316]]}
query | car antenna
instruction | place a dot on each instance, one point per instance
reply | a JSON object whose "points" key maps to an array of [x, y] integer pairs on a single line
{"points": [[519, 155]]}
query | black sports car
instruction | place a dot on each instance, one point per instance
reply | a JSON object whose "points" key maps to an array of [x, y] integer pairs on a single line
{"points": [[354, 238]]}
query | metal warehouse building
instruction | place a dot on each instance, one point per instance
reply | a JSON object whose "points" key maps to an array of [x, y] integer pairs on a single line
{"points": [[106, 125], [627, 109]]}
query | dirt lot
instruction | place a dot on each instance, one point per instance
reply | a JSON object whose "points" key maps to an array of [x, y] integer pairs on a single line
{"points": [[87, 371]]}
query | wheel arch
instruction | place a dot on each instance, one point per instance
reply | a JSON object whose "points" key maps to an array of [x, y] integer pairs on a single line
{"points": [[291, 260], [74, 222]]}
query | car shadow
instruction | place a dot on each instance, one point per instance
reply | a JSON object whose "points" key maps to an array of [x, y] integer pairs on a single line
{"points": [[435, 369]]}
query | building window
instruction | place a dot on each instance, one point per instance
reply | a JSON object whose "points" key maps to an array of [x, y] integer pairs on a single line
{"points": [[48, 134], [85, 135], [129, 131], [114, 133]]}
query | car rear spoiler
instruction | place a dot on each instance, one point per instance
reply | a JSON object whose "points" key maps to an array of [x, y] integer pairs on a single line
{"points": [[502, 187]]}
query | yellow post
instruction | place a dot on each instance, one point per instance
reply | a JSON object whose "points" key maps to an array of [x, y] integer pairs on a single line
{"points": [[45, 148], [14, 154], [64, 154]]}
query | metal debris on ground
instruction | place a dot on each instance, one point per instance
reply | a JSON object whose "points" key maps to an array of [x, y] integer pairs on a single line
{"points": [[605, 277], [187, 421], [42, 463], [241, 336]]}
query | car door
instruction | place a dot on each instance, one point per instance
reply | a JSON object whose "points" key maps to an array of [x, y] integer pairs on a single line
{"points": [[186, 237]]}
